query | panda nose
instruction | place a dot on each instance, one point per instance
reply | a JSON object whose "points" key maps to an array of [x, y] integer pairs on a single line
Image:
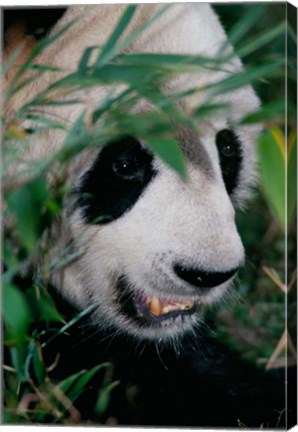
{"points": [[203, 279]]}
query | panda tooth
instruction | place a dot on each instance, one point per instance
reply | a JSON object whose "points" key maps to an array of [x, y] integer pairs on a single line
{"points": [[155, 306]]}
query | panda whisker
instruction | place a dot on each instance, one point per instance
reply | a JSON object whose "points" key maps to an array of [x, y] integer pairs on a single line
{"points": [[160, 357]]}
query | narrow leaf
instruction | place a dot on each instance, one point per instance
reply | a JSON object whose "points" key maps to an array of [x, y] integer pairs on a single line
{"points": [[71, 323], [242, 26], [16, 313], [273, 166], [109, 49], [170, 152], [292, 178], [245, 77]]}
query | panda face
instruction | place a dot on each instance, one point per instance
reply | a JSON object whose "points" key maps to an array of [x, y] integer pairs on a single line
{"points": [[157, 249]]}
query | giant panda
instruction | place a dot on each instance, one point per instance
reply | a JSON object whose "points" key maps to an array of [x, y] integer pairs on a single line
{"points": [[161, 250]]}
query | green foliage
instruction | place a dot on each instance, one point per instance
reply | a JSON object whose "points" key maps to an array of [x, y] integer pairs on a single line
{"points": [[32, 207], [278, 168], [291, 178], [273, 171], [16, 324]]}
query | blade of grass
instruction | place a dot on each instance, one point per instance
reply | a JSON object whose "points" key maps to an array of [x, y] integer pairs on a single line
{"points": [[71, 323]]}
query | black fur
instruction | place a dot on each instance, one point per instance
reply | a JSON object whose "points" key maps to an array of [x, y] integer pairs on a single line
{"points": [[229, 149], [116, 180]]}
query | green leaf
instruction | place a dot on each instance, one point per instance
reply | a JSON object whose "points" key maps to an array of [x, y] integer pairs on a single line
{"points": [[16, 314], [292, 178], [84, 62], [84, 380], [71, 323], [114, 48], [38, 48], [260, 40], [12, 58], [49, 123], [170, 152], [169, 62], [26, 203], [247, 76], [270, 111], [38, 365], [104, 397], [110, 48], [208, 109], [65, 385], [243, 26], [272, 167], [74, 385], [77, 138], [42, 68], [43, 305]]}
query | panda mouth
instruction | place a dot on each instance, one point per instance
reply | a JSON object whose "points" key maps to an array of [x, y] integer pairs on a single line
{"points": [[157, 310], [146, 309]]}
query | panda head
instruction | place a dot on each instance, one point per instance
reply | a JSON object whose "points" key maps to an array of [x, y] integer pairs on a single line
{"points": [[156, 249]]}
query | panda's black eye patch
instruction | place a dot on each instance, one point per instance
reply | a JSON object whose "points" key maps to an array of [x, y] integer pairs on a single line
{"points": [[116, 180], [230, 157]]}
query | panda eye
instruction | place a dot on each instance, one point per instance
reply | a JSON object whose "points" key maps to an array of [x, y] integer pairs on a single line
{"points": [[230, 157], [126, 168], [226, 149], [116, 180]]}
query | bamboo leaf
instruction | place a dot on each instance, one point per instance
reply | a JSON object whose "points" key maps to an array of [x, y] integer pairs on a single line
{"points": [[37, 49], [260, 40], [273, 166], [170, 62], [26, 204], [117, 48], [110, 48], [38, 365], [49, 123], [83, 380], [16, 314], [248, 76], [71, 323], [73, 386], [104, 397], [242, 26], [170, 152], [12, 58], [85, 59], [268, 112], [292, 177]]}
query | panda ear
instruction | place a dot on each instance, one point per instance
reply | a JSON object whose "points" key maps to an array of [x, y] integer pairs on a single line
{"points": [[230, 157]]}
